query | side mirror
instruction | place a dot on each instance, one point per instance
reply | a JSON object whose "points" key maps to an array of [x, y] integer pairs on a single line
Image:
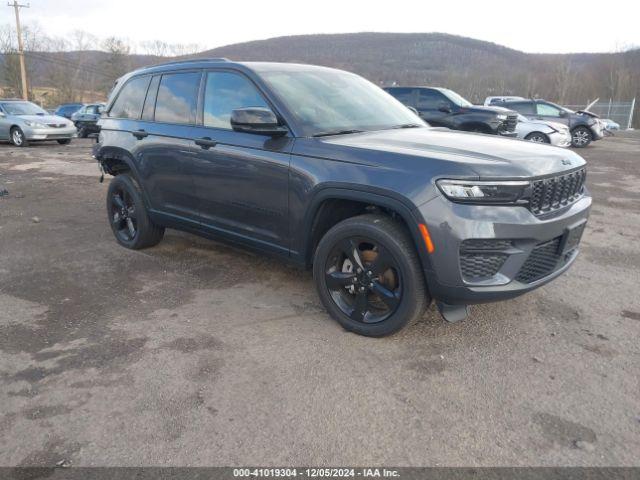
{"points": [[2, 114], [258, 120], [444, 108], [563, 113]]}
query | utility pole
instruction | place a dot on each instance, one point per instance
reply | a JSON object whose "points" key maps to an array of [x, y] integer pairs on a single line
{"points": [[23, 70]]}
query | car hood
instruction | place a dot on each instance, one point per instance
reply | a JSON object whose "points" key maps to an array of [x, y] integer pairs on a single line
{"points": [[487, 156], [488, 109], [45, 119]]}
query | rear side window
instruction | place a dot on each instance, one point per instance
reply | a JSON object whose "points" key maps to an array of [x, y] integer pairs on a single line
{"points": [[178, 98], [525, 108], [224, 93], [404, 95], [130, 99]]}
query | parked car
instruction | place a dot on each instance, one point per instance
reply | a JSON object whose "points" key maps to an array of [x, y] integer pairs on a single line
{"points": [[324, 169], [86, 119], [67, 109], [542, 131], [584, 125], [445, 108], [22, 122], [492, 100]]}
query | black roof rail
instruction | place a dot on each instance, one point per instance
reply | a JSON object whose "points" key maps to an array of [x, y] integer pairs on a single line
{"points": [[191, 60]]}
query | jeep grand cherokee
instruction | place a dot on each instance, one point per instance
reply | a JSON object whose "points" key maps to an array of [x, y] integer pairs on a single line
{"points": [[327, 170]]}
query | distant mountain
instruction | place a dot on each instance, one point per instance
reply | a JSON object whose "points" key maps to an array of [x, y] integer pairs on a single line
{"points": [[474, 68]]}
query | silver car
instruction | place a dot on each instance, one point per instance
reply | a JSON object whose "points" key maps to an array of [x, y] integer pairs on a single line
{"points": [[22, 122], [542, 131]]}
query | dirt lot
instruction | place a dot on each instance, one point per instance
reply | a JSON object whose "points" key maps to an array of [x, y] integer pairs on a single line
{"points": [[195, 353]]}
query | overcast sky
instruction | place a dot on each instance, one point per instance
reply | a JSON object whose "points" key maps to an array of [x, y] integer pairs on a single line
{"points": [[530, 25]]}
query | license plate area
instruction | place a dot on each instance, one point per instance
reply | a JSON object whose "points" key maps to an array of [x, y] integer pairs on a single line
{"points": [[571, 237]]}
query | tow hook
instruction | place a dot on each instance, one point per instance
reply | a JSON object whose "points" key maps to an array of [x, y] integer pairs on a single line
{"points": [[453, 313]]}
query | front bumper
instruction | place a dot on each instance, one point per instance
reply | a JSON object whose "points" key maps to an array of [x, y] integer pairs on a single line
{"points": [[49, 133], [523, 238]]}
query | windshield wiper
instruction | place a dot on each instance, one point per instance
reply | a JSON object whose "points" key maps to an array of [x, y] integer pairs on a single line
{"points": [[406, 125], [337, 132]]}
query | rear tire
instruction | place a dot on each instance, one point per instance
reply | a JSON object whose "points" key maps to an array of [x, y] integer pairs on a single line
{"points": [[64, 141], [128, 215], [581, 137], [18, 138], [537, 137], [390, 290]]}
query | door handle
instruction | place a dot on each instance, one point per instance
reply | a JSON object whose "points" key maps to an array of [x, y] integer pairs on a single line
{"points": [[206, 142], [140, 134]]}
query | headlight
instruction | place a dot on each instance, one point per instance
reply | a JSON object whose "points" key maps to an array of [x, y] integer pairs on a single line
{"points": [[29, 123], [472, 191], [501, 116]]}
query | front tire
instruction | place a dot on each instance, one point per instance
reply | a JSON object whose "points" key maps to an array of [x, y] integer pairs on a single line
{"points": [[537, 137], [581, 137], [18, 138], [128, 215], [64, 141], [368, 275]]}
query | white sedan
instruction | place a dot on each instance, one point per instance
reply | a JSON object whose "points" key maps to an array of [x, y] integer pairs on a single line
{"points": [[542, 131]]}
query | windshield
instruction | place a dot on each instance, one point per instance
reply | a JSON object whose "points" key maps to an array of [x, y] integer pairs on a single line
{"points": [[329, 101], [455, 98], [22, 108]]}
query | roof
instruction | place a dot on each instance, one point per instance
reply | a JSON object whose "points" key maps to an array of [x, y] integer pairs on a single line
{"points": [[209, 62]]}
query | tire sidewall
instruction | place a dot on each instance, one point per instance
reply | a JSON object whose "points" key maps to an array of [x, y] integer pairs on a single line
{"points": [[407, 271], [124, 181]]}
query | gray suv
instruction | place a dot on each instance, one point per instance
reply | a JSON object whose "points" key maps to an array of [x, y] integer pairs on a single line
{"points": [[324, 169]]}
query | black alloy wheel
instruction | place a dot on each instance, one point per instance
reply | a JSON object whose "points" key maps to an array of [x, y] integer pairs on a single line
{"points": [[123, 215], [363, 279], [128, 215], [368, 275]]}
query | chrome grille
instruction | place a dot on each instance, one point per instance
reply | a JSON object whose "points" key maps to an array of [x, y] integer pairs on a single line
{"points": [[553, 193]]}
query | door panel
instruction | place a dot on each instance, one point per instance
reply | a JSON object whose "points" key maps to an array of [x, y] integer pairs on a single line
{"points": [[165, 149], [242, 184], [242, 181], [165, 159]]}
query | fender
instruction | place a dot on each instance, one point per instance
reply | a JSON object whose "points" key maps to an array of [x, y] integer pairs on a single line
{"points": [[116, 153], [374, 196]]}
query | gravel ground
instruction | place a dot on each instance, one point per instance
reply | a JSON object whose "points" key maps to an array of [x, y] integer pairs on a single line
{"points": [[197, 353]]}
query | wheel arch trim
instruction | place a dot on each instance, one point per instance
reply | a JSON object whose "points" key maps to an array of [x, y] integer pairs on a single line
{"points": [[119, 154], [370, 195]]}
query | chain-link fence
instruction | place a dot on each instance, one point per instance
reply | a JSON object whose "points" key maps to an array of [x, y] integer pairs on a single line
{"points": [[619, 112]]}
